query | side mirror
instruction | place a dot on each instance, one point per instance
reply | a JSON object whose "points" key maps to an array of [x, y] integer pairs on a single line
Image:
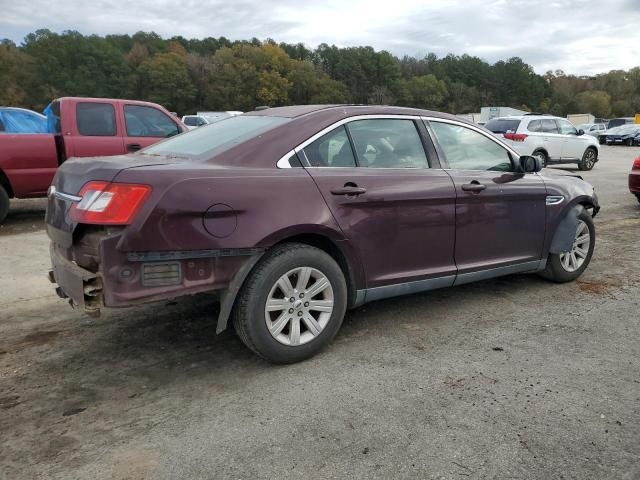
{"points": [[580, 132], [530, 164]]}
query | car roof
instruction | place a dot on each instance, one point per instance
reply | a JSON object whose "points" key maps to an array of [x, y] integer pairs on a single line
{"points": [[348, 110]]}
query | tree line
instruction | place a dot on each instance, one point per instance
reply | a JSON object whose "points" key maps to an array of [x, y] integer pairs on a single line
{"points": [[186, 75]]}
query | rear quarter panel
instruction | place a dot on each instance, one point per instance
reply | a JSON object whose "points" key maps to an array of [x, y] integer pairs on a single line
{"points": [[267, 206]]}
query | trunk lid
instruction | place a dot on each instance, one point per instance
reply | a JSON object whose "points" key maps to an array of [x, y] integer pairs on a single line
{"points": [[73, 175]]}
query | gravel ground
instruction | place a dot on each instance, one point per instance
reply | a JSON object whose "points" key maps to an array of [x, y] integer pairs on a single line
{"points": [[509, 378]]}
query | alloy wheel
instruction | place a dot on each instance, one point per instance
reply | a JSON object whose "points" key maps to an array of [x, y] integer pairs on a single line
{"points": [[299, 306], [573, 260], [589, 159]]}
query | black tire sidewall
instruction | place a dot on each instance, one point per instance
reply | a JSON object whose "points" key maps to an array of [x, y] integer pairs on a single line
{"points": [[259, 286], [555, 268], [545, 157], [4, 204], [583, 162]]}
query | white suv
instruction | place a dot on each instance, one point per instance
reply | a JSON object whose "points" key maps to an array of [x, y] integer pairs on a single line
{"points": [[552, 139]]}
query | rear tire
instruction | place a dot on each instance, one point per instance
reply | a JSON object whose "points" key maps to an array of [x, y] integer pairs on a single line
{"points": [[541, 154], [638, 197], [629, 142], [560, 266], [281, 330], [589, 159], [4, 204]]}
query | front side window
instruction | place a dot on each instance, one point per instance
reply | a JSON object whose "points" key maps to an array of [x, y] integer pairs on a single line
{"points": [[330, 150], [96, 119], [387, 143], [549, 126], [148, 122], [466, 149], [566, 127]]}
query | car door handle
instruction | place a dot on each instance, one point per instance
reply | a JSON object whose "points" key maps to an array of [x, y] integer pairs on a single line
{"points": [[133, 147], [348, 190], [474, 186]]}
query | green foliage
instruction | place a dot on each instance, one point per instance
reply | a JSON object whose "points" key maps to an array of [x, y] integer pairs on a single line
{"points": [[186, 75]]}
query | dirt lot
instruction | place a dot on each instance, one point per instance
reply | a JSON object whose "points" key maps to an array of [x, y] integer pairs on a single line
{"points": [[510, 378]]}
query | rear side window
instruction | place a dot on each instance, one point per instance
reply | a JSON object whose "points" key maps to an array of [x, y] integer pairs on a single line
{"points": [[144, 121], [387, 143], [499, 125], [550, 126], [217, 137], [330, 150], [535, 126], [96, 119]]}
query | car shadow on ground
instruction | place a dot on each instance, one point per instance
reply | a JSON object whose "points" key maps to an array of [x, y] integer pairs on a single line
{"points": [[161, 343], [24, 216]]}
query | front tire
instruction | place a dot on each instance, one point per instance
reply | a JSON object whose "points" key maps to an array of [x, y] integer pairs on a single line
{"points": [[629, 142], [589, 159], [292, 305], [566, 267], [4, 204]]}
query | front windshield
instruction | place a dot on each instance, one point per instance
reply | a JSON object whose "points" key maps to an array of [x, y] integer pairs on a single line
{"points": [[215, 138]]}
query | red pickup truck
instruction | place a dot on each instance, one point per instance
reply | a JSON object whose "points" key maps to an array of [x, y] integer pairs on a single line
{"points": [[84, 127]]}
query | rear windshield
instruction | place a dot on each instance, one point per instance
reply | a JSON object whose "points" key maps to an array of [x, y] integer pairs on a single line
{"points": [[217, 137], [500, 125]]}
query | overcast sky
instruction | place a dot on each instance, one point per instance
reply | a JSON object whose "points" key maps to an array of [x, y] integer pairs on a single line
{"points": [[577, 36]]}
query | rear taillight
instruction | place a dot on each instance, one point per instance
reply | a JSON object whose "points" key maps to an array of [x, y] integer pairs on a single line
{"points": [[516, 137], [105, 203], [636, 164]]}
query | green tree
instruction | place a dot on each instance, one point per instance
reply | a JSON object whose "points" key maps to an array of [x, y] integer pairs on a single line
{"points": [[595, 102], [166, 81]]}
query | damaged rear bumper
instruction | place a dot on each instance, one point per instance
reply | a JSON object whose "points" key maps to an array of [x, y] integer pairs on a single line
{"points": [[82, 287]]}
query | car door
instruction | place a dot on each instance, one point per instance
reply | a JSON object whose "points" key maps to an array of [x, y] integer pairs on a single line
{"points": [[96, 131], [395, 209], [573, 145], [553, 140], [500, 213], [146, 125]]}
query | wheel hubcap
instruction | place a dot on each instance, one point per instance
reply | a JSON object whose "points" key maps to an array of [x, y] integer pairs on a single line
{"points": [[590, 158], [573, 260], [299, 306]]}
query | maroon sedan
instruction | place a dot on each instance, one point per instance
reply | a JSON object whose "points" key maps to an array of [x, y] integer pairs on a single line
{"points": [[293, 215], [634, 178]]}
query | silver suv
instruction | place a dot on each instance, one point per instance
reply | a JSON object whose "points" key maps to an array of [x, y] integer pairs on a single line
{"points": [[553, 139]]}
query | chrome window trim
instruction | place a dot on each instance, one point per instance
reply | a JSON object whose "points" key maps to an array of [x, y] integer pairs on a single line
{"points": [[282, 162]]}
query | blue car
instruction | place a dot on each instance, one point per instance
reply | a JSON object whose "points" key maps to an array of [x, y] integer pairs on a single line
{"points": [[625, 135]]}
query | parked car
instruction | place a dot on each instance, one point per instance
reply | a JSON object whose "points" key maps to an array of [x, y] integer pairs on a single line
{"points": [[82, 127], [206, 118], [625, 135], [295, 214], [618, 122], [593, 129], [634, 178], [21, 120], [552, 139]]}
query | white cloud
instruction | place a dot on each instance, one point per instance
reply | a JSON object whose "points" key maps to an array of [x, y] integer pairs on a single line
{"points": [[578, 36]]}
